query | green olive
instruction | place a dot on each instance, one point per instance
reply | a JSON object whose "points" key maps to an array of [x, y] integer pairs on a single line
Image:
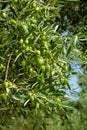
{"points": [[3, 96], [64, 51], [6, 84], [43, 37], [27, 48], [44, 33], [65, 67], [40, 61], [15, 1], [34, 21], [34, 5], [13, 21], [37, 52], [61, 64], [30, 70], [4, 15], [16, 52], [10, 84], [21, 41], [43, 68], [26, 41], [45, 44], [58, 101], [2, 67], [23, 63], [32, 98], [42, 80], [31, 36], [54, 65], [37, 8]]}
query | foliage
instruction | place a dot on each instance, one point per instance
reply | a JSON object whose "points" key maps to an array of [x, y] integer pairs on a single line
{"points": [[35, 61], [34, 58]]}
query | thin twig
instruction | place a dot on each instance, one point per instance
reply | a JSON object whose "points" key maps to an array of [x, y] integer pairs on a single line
{"points": [[7, 68], [17, 57]]}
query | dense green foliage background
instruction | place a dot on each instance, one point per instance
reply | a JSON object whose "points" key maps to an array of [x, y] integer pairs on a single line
{"points": [[39, 40]]}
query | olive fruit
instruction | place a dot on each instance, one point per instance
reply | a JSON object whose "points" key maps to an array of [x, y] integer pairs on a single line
{"points": [[32, 98], [65, 67], [6, 84], [37, 52], [23, 63], [3, 96], [21, 41], [13, 21], [30, 70], [37, 8], [26, 41], [15, 1], [64, 51], [27, 48], [45, 44], [34, 21], [16, 52], [10, 84], [34, 5], [42, 79], [40, 61], [54, 65], [43, 68], [2, 67], [4, 15], [44, 33], [43, 37], [58, 101]]}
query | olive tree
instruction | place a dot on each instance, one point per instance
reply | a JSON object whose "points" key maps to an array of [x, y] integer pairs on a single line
{"points": [[34, 59]]}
